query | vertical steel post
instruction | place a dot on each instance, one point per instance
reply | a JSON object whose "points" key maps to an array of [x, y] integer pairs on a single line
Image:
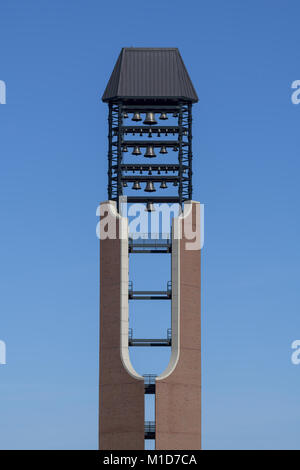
{"points": [[109, 171], [180, 134], [190, 136], [119, 146]]}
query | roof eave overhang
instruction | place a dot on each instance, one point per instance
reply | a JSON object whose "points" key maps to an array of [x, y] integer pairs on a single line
{"points": [[151, 99]]}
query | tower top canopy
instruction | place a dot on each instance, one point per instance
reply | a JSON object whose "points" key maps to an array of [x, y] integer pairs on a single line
{"points": [[150, 73]]}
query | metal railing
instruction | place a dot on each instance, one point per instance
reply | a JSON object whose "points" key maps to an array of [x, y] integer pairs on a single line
{"points": [[148, 237], [169, 287], [149, 378], [149, 429], [150, 245], [149, 294], [149, 381], [149, 342]]}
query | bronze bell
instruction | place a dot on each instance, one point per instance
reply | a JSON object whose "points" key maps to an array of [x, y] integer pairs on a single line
{"points": [[150, 152], [136, 150], [150, 118], [163, 185], [136, 185], [150, 187], [125, 115], [150, 207], [163, 116], [125, 149], [136, 117], [163, 149], [124, 184], [175, 148]]}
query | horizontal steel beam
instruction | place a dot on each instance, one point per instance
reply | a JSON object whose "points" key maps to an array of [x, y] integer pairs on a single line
{"points": [[154, 166], [149, 245], [150, 107], [156, 128], [149, 342], [149, 251], [154, 178], [155, 292], [154, 143], [158, 199], [149, 297]]}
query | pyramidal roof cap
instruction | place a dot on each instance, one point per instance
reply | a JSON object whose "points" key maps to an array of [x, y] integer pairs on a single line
{"points": [[150, 73]]}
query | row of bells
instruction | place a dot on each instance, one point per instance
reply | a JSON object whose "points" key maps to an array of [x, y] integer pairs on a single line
{"points": [[150, 117], [150, 188], [150, 153]]}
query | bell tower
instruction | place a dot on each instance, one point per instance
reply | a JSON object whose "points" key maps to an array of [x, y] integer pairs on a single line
{"points": [[150, 97]]}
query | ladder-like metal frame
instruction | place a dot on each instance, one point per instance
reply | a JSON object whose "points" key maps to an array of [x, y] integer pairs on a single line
{"points": [[120, 173], [149, 246]]}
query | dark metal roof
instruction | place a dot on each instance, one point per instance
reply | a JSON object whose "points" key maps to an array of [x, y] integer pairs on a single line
{"points": [[150, 73]]}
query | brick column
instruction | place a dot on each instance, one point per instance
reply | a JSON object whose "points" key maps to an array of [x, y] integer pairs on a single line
{"points": [[121, 399], [178, 389]]}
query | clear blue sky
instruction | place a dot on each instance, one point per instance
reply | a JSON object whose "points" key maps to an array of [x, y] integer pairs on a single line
{"points": [[56, 58]]}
